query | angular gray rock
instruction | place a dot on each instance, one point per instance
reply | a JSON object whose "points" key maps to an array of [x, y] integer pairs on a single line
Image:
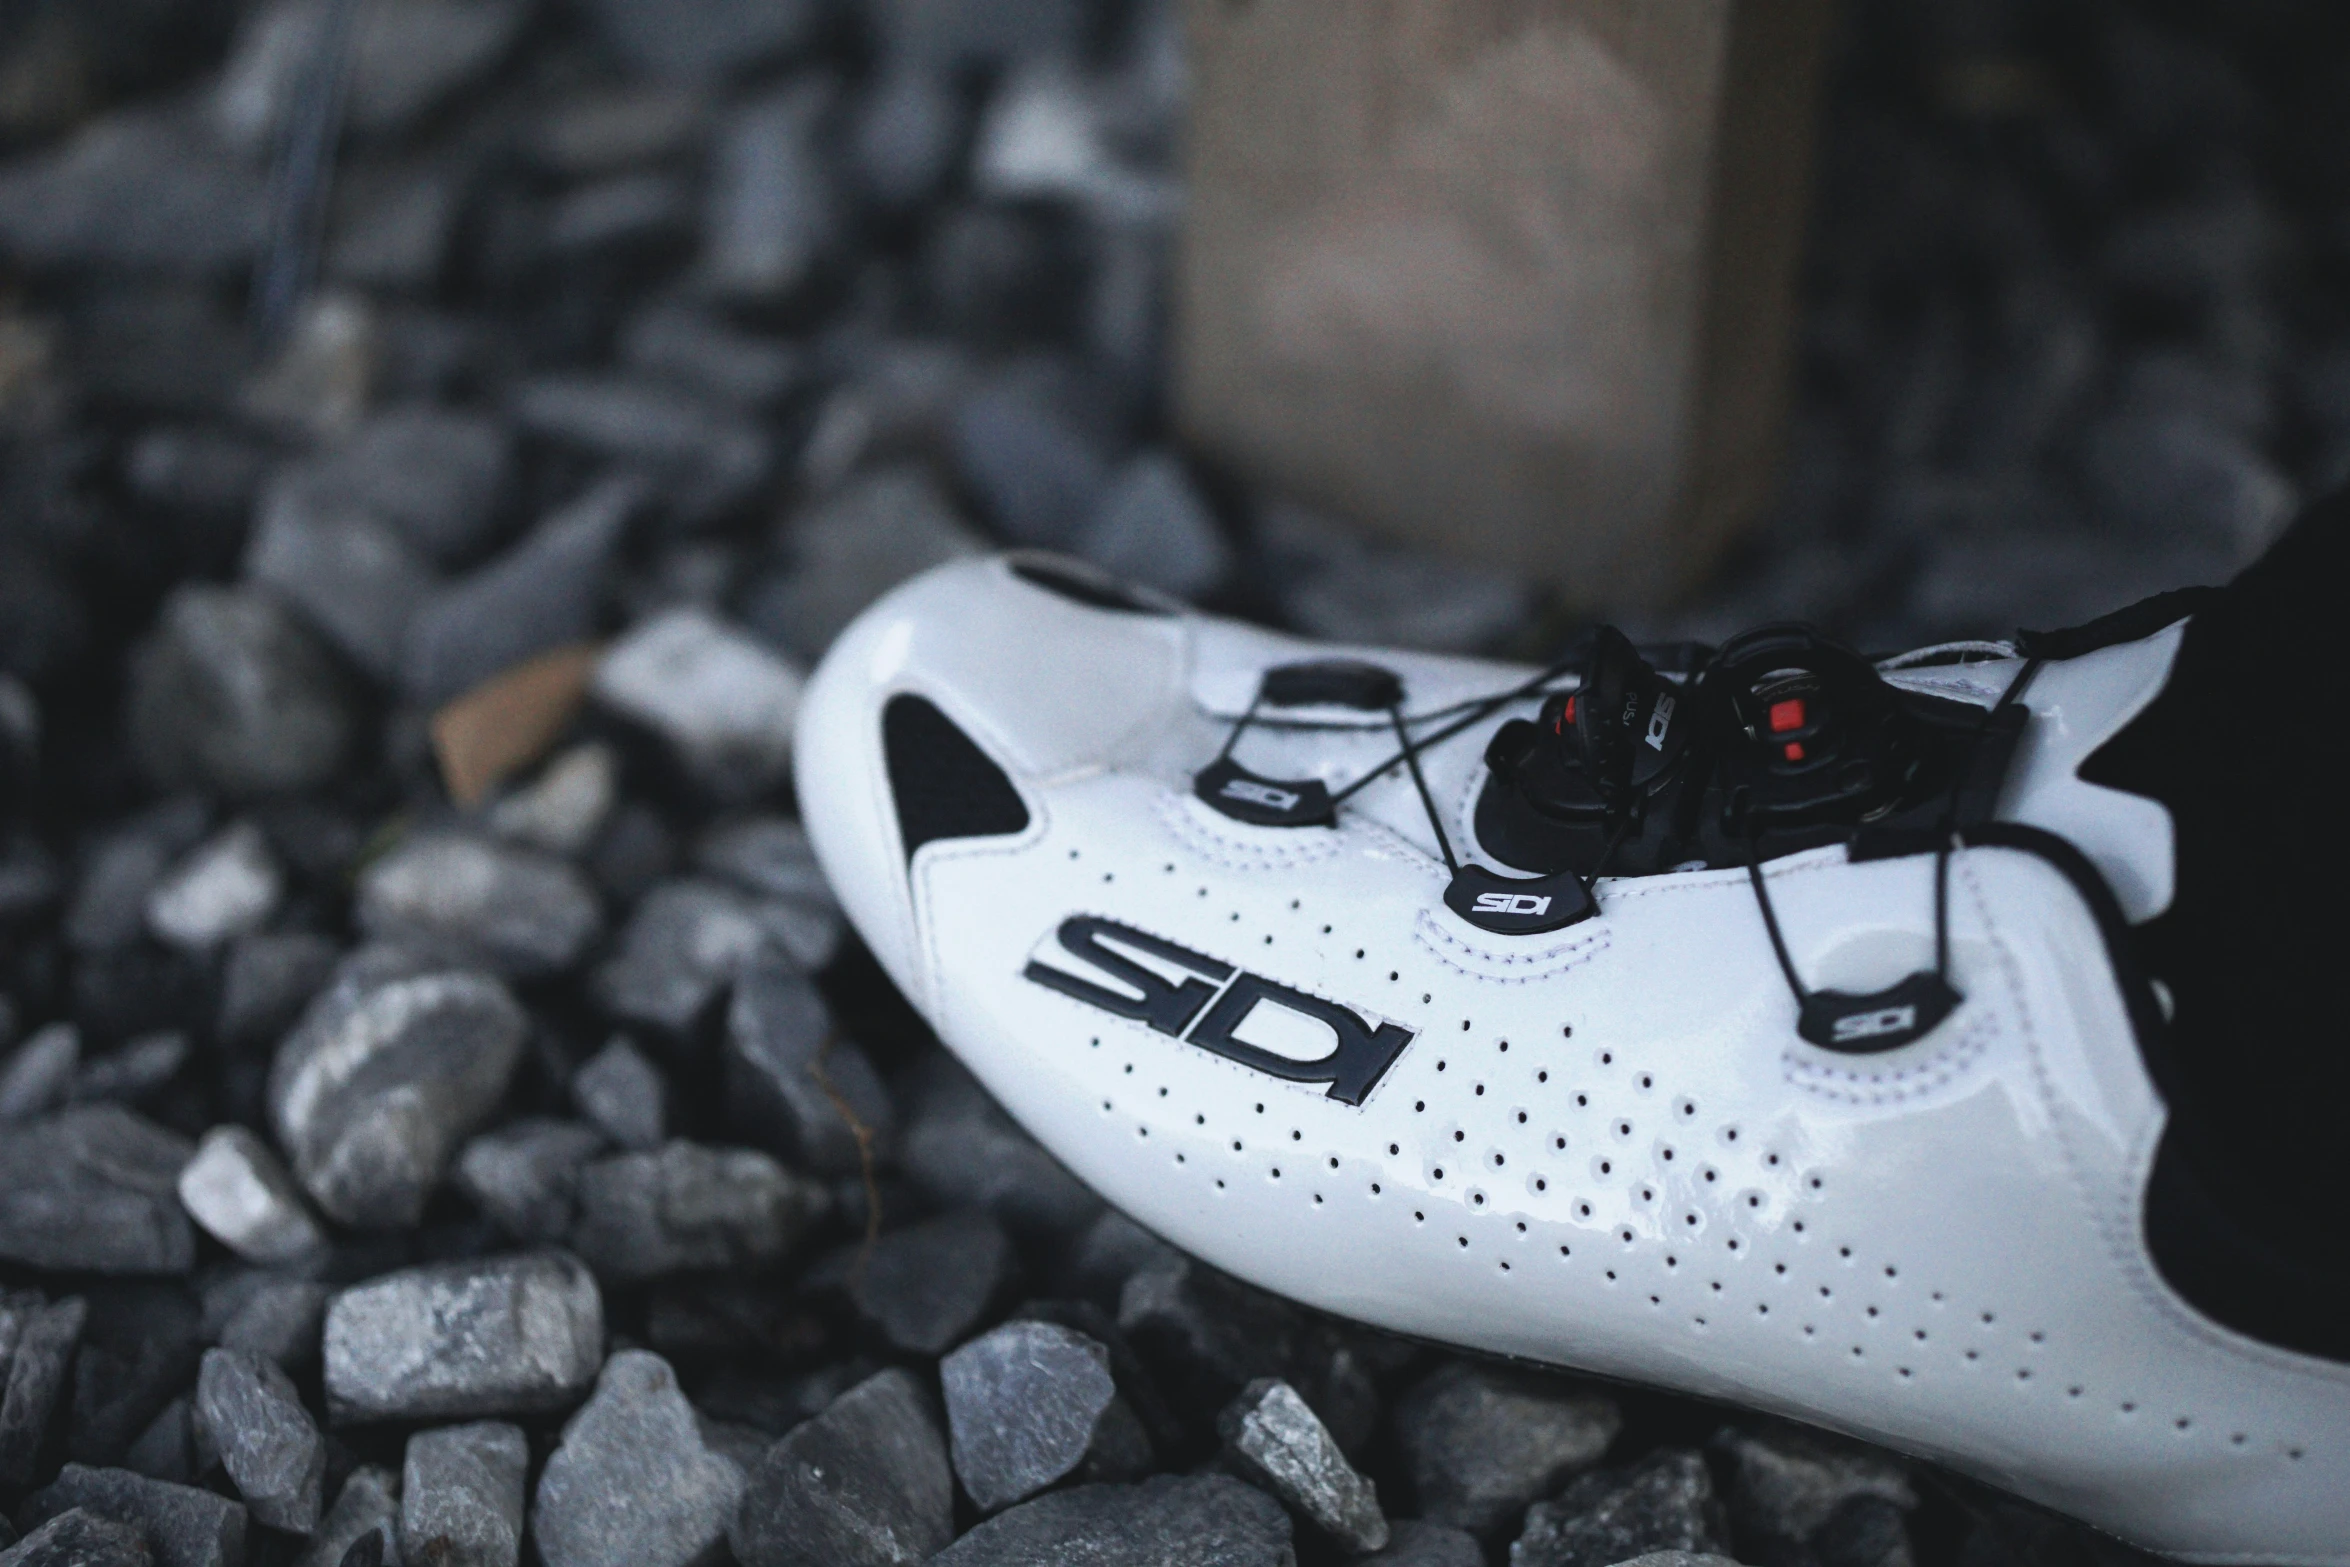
{"points": [[1275, 1439], [384, 1077], [566, 806], [540, 595], [145, 192], [1206, 1520], [225, 887], [238, 1191], [266, 982], [701, 40], [906, 135], [1480, 1443], [351, 574], [701, 352], [623, 1095], [793, 1085], [1111, 1250], [368, 1504], [231, 694], [1154, 527], [434, 474], [267, 1314], [771, 214], [723, 702], [184, 1526], [681, 948], [80, 1538], [1205, 1334], [767, 857], [928, 1285], [642, 1215], [525, 1175], [632, 1483], [705, 458], [1038, 473], [864, 1484], [1785, 1483], [133, 1073], [253, 1418], [168, 1448], [1030, 1404], [461, 1496], [37, 1344], [524, 913], [1414, 1542], [1664, 1503], [91, 1189], [510, 1335], [960, 1147], [1679, 1559], [854, 544], [38, 1076]]}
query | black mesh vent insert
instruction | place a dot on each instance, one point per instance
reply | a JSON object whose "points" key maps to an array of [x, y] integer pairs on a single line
{"points": [[944, 785]]}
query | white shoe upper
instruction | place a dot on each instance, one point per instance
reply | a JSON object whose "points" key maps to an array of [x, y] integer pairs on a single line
{"points": [[1604, 1147]]}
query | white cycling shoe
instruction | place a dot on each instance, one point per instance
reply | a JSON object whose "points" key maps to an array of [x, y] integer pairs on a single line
{"points": [[1857, 1135]]}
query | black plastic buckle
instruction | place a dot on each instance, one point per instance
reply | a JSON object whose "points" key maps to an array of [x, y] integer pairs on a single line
{"points": [[1518, 905], [1864, 1025], [1244, 796]]}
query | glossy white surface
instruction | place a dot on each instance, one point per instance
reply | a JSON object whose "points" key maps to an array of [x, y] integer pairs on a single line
{"points": [[1604, 1148]]}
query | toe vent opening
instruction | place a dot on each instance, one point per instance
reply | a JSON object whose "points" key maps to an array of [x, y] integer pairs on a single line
{"points": [[943, 784]]}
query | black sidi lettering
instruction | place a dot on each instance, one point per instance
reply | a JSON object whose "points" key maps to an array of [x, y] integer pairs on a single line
{"points": [[1357, 1059], [1165, 1005]]}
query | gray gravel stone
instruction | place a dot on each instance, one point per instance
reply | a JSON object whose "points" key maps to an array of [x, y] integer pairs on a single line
{"points": [[368, 1504], [224, 888], [771, 215], [632, 1484], [1271, 1434], [723, 702], [566, 806], [1205, 1334], [266, 982], [927, 1285], [681, 948], [37, 1344], [386, 1074], [461, 1496], [864, 1484], [1037, 472], [266, 1440], [169, 1448], [642, 1215], [623, 1095], [703, 353], [540, 595], [511, 1335], [147, 192], [135, 1072], [351, 574], [1111, 1250], [434, 474], [267, 1314], [697, 40], [1414, 1542], [525, 1175], [38, 1076], [90, 1189], [767, 857], [1030, 1404], [1679, 1559], [853, 545], [232, 694], [1664, 1503], [1480, 1443], [1154, 527], [184, 1526], [909, 129], [706, 458], [238, 1191], [960, 1147], [793, 1084], [80, 1538], [1785, 1483], [524, 913], [1167, 1521]]}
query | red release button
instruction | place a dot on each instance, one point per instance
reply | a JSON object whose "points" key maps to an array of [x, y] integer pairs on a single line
{"points": [[1786, 715]]}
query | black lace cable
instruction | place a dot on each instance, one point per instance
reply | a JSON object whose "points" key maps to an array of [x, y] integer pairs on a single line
{"points": [[1411, 756], [1482, 708]]}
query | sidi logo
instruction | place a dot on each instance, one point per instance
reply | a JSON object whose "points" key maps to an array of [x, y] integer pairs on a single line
{"points": [[1874, 1025], [1208, 1003], [1256, 793], [1660, 719], [1512, 903]]}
